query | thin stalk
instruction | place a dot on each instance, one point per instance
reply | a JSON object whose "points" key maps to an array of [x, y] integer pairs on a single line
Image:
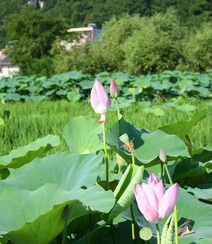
{"points": [[131, 207], [106, 158], [158, 233], [112, 232], [161, 172], [133, 223], [117, 108], [64, 232], [175, 207], [133, 157]]}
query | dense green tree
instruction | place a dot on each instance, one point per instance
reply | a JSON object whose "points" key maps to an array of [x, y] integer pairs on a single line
{"points": [[32, 34]]}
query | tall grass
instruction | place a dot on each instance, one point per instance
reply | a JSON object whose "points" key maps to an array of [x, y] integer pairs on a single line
{"points": [[30, 121]]}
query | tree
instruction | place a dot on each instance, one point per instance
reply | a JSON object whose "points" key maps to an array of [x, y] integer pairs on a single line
{"points": [[32, 34]]}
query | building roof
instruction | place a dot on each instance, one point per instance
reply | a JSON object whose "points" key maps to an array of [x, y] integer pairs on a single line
{"points": [[80, 29]]}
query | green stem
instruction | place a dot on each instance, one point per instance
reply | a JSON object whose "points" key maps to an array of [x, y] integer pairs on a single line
{"points": [[175, 208], [161, 172], [168, 174], [133, 223], [64, 233], [133, 158], [106, 157], [118, 110], [158, 234], [112, 232]]}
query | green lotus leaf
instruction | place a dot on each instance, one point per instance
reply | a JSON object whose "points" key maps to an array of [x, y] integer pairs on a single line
{"points": [[34, 196], [23, 155], [75, 75], [81, 135], [186, 108], [147, 145], [74, 96], [181, 129], [205, 194], [203, 92]]}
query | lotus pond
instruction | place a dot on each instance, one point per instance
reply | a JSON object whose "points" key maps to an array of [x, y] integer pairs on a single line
{"points": [[78, 193]]}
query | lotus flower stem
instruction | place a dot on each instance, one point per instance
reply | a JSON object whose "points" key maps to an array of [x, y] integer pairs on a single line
{"points": [[117, 108], [106, 157], [133, 222], [175, 207], [112, 232], [158, 233]]}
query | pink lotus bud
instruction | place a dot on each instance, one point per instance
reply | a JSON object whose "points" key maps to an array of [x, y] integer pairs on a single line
{"points": [[100, 101], [153, 202], [114, 90], [162, 156]]}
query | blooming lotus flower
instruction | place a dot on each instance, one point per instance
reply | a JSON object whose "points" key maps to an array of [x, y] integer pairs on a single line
{"points": [[153, 202], [114, 90], [100, 101]]}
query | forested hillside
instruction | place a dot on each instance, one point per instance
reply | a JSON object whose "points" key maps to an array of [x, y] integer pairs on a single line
{"points": [[140, 36], [81, 12]]}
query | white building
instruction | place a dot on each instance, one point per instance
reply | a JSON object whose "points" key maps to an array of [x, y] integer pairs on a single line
{"points": [[7, 69]]}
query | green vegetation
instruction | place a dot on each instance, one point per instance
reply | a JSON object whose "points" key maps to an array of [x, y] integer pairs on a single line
{"points": [[75, 86], [29, 121], [32, 34], [54, 190], [138, 37], [141, 45]]}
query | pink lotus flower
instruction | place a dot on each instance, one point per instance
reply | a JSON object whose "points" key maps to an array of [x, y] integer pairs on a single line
{"points": [[114, 90], [153, 202], [100, 101]]}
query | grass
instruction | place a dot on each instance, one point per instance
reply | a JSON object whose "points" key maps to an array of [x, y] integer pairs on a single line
{"points": [[30, 121]]}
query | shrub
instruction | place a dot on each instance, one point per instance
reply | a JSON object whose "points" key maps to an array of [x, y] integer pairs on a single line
{"points": [[198, 48], [157, 46]]}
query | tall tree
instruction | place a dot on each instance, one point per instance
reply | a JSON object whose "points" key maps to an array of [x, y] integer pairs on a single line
{"points": [[32, 34]]}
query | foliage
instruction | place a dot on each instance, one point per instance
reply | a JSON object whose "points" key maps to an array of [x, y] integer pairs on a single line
{"points": [[156, 46], [67, 188], [75, 86], [30, 49], [198, 48]]}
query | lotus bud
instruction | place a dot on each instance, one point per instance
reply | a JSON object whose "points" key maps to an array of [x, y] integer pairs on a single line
{"points": [[162, 156], [100, 101], [114, 90]]}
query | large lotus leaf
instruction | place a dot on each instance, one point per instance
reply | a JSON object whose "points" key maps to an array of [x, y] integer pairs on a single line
{"points": [[124, 192], [75, 75], [191, 173], [74, 96], [23, 155], [203, 92], [166, 85], [205, 194], [184, 85], [147, 144], [186, 108], [69, 171], [181, 129], [202, 154], [189, 208], [34, 196], [81, 135], [12, 95]]}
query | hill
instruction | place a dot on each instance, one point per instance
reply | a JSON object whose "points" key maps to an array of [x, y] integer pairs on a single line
{"points": [[81, 12]]}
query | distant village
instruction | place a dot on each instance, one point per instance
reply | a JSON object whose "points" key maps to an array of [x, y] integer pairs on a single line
{"points": [[7, 69]]}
